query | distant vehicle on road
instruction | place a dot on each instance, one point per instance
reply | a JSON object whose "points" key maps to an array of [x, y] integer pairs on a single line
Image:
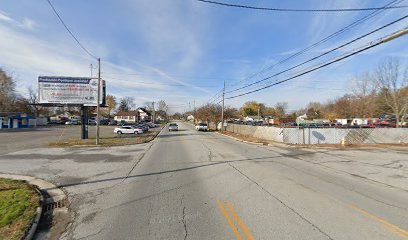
{"points": [[173, 127], [202, 127], [73, 122], [127, 129]]}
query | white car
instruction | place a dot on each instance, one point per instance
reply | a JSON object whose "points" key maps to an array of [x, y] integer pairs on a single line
{"points": [[127, 129], [173, 127], [202, 127]]}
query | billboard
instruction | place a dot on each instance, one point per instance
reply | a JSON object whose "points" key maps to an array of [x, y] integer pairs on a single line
{"points": [[70, 90]]}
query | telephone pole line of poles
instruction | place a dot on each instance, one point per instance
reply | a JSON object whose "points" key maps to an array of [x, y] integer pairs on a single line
{"points": [[222, 111], [98, 102]]}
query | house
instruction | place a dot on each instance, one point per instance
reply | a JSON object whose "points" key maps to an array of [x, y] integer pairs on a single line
{"points": [[139, 115], [14, 120], [144, 115], [129, 116]]}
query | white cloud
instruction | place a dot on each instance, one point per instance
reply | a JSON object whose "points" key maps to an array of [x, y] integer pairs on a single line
{"points": [[28, 24], [4, 17]]}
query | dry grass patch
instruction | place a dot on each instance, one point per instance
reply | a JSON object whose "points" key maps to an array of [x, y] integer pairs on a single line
{"points": [[119, 140]]}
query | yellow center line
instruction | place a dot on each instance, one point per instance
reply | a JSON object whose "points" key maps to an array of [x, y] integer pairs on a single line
{"points": [[240, 222], [229, 220], [389, 226]]}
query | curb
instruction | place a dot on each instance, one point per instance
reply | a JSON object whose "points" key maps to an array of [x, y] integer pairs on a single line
{"points": [[36, 221], [239, 140], [55, 194]]}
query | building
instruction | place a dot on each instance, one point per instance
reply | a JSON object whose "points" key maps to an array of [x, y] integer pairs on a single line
{"points": [[14, 120], [129, 116], [144, 115], [139, 115]]}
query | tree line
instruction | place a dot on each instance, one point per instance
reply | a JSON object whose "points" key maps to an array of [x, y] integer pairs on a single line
{"points": [[383, 91]]}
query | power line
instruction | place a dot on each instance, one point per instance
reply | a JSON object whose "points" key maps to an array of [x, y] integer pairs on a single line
{"points": [[369, 46], [298, 10], [349, 26], [323, 54], [166, 84], [69, 31]]}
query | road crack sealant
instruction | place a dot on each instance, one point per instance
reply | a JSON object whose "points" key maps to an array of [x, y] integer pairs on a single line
{"points": [[284, 204], [183, 220]]}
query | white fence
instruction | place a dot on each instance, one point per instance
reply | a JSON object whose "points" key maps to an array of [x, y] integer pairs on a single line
{"points": [[323, 135]]}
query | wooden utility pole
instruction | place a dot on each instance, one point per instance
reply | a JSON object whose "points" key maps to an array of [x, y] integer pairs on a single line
{"points": [[222, 112], [98, 102], [154, 113]]}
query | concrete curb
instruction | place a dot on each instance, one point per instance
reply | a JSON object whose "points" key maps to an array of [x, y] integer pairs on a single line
{"points": [[36, 221], [55, 194], [239, 140]]}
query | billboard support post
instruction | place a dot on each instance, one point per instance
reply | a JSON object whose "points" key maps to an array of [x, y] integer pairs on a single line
{"points": [[98, 102], [84, 121]]}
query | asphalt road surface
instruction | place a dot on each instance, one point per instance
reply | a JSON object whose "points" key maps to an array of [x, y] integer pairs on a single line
{"points": [[201, 185]]}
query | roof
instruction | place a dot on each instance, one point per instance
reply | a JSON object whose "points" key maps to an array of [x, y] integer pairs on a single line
{"points": [[144, 110], [16, 115], [128, 113]]}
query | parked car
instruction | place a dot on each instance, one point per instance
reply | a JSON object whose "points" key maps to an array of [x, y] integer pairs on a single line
{"points": [[202, 127], [73, 122], [142, 126], [91, 122], [127, 129], [173, 127], [121, 123], [113, 122], [151, 125]]}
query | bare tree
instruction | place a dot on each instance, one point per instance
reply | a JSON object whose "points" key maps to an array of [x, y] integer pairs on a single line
{"points": [[392, 81], [162, 106], [363, 93], [280, 108], [149, 106], [7, 92], [126, 104]]}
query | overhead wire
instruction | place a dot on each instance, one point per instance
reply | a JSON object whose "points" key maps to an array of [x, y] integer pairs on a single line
{"points": [[325, 39], [70, 32], [347, 55], [296, 10], [323, 54]]}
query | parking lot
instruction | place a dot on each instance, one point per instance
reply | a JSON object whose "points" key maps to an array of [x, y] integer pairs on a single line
{"points": [[21, 139]]}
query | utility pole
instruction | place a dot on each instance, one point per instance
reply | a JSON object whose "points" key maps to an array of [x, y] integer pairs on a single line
{"points": [[91, 70], [153, 117], [194, 114], [222, 111], [97, 104], [258, 112]]}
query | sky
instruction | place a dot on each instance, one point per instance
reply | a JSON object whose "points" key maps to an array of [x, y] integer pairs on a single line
{"points": [[181, 51]]}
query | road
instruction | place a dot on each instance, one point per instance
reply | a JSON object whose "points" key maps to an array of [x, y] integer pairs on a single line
{"points": [[201, 185]]}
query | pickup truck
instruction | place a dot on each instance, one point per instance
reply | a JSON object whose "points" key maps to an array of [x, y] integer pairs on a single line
{"points": [[202, 127], [127, 129]]}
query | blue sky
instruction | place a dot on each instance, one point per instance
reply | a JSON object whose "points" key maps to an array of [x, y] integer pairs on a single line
{"points": [[182, 50]]}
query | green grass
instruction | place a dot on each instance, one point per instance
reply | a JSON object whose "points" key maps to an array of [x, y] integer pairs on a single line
{"points": [[18, 204]]}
